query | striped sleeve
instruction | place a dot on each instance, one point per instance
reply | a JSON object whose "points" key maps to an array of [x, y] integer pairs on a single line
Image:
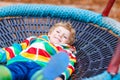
{"points": [[72, 60], [70, 68], [16, 48]]}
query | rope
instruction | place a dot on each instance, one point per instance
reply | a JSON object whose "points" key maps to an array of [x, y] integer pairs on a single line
{"points": [[65, 12]]}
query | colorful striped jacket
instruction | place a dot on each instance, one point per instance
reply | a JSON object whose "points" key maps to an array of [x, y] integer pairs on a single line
{"points": [[40, 51]]}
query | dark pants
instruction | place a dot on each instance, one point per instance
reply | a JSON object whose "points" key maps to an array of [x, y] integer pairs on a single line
{"points": [[23, 70]]}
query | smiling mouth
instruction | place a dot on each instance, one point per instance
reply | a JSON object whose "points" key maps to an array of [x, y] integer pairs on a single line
{"points": [[58, 39]]}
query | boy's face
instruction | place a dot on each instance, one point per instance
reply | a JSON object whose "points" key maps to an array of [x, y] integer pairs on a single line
{"points": [[59, 35]]}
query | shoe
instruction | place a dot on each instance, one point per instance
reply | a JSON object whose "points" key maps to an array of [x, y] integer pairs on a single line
{"points": [[5, 74], [55, 67]]}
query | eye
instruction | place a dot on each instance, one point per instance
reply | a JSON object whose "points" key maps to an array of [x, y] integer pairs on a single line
{"points": [[65, 37], [58, 31]]}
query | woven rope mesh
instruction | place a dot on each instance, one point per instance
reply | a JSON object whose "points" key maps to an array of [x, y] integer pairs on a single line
{"points": [[95, 48], [94, 45]]}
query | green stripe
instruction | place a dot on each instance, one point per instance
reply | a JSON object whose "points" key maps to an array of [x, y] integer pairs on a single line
{"points": [[17, 48], [49, 48]]}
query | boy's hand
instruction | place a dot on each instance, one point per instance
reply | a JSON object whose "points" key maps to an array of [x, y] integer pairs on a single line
{"points": [[58, 78]]}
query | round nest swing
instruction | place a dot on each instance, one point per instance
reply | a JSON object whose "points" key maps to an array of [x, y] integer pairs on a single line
{"points": [[96, 34]]}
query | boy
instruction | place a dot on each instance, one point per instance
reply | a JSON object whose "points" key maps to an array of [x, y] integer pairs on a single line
{"points": [[34, 53]]}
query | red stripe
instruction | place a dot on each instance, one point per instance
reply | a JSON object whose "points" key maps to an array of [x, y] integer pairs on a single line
{"points": [[71, 67], [43, 53], [72, 57], [59, 48], [11, 53], [32, 50], [26, 41]]}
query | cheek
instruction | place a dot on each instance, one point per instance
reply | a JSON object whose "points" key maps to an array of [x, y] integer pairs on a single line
{"points": [[50, 35], [65, 40]]}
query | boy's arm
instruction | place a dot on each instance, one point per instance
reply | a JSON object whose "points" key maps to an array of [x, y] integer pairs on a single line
{"points": [[70, 68], [10, 52]]}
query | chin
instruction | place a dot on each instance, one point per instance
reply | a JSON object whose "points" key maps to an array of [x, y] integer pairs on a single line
{"points": [[56, 42]]}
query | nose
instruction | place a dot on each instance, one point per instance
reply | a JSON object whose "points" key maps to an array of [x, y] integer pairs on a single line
{"points": [[60, 35]]}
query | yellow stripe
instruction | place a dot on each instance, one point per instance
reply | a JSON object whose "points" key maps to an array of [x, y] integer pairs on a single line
{"points": [[33, 57], [73, 60], [30, 56], [24, 45], [42, 58], [70, 70]]}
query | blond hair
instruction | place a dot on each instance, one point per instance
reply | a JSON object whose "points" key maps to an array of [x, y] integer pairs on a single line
{"points": [[67, 26]]}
